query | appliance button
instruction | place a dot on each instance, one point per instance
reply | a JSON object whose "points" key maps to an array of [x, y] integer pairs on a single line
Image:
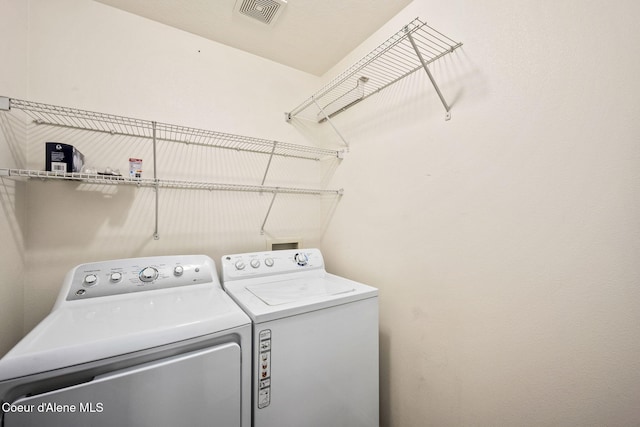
{"points": [[148, 274]]}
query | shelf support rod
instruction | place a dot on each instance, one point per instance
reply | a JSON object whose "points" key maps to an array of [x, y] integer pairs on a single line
{"points": [[156, 236], [273, 150], [273, 199], [313, 98], [424, 65]]}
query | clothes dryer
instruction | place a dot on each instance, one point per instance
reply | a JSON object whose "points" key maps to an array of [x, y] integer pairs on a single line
{"points": [[133, 342], [315, 340]]}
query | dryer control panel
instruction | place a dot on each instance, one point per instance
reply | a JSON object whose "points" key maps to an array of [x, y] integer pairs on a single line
{"points": [[124, 276], [260, 264]]}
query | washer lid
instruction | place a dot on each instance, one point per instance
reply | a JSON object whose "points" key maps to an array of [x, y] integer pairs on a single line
{"points": [[89, 330], [289, 291], [282, 297]]}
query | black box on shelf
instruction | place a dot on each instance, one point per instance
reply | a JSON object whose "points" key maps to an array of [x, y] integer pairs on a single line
{"points": [[63, 158]]}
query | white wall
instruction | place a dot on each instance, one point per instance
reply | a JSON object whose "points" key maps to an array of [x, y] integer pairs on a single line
{"points": [[505, 242], [13, 82], [87, 55]]}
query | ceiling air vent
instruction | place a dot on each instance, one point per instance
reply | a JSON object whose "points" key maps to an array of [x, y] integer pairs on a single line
{"points": [[265, 11]]}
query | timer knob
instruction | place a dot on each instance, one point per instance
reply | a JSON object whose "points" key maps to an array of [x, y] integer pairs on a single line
{"points": [[178, 270], [301, 258], [148, 274]]}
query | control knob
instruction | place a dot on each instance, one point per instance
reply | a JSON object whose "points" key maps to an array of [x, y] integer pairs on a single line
{"points": [[148, 274], [301, 258], [115, 277], [178, 270], [268, 262], [90, 279], [255, 263], [240, 265]]}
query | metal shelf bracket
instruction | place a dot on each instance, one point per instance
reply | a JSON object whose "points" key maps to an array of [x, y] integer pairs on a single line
{"points": [[426, 69], [269, 162], [326, 116], [273, 199]]}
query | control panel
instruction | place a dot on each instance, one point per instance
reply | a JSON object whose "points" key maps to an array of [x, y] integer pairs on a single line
{"points": [[123, 276], [258, 264], [264, 369]]}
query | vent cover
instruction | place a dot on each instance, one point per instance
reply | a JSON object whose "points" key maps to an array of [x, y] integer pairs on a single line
{"points": [[265, 11]]}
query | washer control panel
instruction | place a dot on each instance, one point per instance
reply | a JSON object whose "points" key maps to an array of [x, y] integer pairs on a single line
{"points": [[124, 276], [264, 369], [258, 264]]}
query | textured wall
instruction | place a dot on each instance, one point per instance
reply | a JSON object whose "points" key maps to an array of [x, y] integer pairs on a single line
{"points": [[506, 241]]}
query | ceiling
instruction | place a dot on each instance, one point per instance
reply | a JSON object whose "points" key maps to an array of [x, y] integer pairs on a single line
{"points": [[309, 35]]}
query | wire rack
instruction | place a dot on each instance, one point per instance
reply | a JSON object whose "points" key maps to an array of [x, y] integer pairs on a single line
{"points": [[390, 62], [161, 183], [66, 117], [171, 184], [54, 115], [77, 176]]}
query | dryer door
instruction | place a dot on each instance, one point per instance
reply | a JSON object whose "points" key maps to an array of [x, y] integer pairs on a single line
{"points": [[201, 388]]}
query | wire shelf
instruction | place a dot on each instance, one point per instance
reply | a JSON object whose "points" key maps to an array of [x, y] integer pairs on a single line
{"points": [[54, 115], [390, 62], [90, 178], [213, 186], [161, 183]]}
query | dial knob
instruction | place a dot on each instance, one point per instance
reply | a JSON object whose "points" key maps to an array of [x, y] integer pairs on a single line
{"points": [[178, 270], [115, 277], [149, 274], [268, 262], [255, 263], [90, 279], [301, 258], [240, 265]]}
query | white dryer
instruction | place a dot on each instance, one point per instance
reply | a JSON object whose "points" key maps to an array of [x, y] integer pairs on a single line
{"points": [[315, 340], [134, 342]]}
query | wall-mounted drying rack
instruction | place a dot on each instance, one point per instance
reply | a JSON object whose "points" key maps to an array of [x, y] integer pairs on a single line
{"points": [[412, 48], [52, 115]]}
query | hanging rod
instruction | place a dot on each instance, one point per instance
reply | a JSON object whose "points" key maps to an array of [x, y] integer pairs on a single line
{"points": [[412, 48], [53, 115]]}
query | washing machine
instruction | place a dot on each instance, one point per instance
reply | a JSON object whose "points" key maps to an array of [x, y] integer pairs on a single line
{"points": [[315, 340], [133, 342]]}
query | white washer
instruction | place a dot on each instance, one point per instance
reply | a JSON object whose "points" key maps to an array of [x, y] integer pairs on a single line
{"points": [[134, 342], [315, 340]]}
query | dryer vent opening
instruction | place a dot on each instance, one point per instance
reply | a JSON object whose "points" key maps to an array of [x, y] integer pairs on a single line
{"points": [[265, 11], [284, 246]]}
